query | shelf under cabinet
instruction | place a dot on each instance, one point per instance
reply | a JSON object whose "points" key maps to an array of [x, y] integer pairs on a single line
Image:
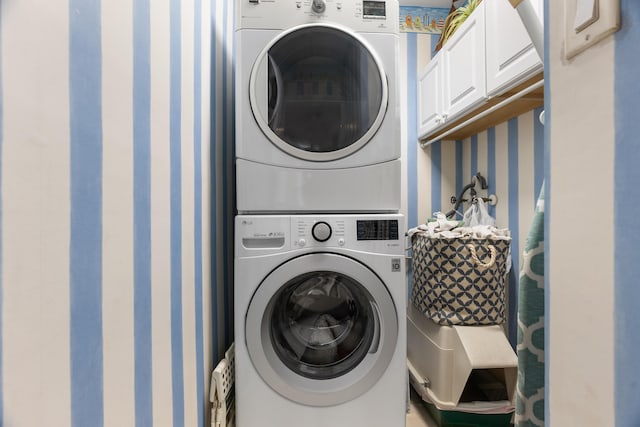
{"points": [[513, 109]]}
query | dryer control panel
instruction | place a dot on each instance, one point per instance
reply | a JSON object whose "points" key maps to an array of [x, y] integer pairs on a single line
{"points": [[360, 15]]}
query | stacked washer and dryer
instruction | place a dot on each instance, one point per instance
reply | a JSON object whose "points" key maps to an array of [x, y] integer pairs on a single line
{"points": [[320, 280]]}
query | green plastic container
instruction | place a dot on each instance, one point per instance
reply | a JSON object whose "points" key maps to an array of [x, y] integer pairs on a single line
{"points": [[464, 419]]}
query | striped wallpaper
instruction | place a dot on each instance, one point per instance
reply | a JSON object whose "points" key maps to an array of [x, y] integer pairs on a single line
{"points": [[1, 222], [114, 210], [509, 155], [116, 202], [589, 162], [627, 230]]}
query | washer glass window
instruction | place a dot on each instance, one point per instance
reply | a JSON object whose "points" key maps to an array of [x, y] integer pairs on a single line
{"points": [[322, 324], [326, 93]]}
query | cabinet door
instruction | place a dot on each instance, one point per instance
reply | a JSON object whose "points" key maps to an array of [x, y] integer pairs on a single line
{"points": [[511, 55], [430, 97], [464, 65]]}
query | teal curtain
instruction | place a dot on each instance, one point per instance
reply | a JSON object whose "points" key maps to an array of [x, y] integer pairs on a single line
{"points": [[530, 394]]}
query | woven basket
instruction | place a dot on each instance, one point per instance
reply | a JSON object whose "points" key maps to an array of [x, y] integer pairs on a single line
{"points": [[460, 281]]}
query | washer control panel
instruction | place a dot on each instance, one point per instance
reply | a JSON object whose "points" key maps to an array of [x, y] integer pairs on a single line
{"points": [[265, 234], [313, 231], [367, 233]]}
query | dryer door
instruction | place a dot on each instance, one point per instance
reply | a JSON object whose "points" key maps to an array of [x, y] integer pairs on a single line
{"points": [[321, 329], [318, 92]]}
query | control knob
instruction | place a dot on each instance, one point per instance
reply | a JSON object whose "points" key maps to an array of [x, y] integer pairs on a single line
{"points": [[318, 6], [321, 231]]}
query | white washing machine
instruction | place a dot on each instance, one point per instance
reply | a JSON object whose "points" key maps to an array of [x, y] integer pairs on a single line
{"points": [[317, 106], [320, 325]]}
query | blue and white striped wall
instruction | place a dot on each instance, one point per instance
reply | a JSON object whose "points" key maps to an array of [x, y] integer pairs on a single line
{"points": [[510, 155], [593, 153], [114, 210], [590, 156], [627, 230]]}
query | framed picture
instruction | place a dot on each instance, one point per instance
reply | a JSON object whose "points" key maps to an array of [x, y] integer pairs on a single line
{"points": [[417, 19]]}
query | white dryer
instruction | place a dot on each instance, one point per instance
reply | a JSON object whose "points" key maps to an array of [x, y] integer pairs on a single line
{"points": [[320, 327], [317, 109]]}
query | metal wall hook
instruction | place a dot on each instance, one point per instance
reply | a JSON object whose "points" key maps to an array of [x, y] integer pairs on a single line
{"points": [[459, 200], [483, 181]]}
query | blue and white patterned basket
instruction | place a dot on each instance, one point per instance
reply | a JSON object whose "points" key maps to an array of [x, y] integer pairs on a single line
{"points": [[460, 280]]}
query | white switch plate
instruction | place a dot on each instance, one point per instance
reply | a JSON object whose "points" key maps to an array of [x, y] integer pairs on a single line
{"points": [[608, 22]]}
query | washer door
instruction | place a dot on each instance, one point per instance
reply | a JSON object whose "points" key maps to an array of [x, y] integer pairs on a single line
{"points": [[321, 329], [318, 92]]}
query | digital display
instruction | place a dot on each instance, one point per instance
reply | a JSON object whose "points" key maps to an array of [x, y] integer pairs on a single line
{"points": [[377, 229], [374, 9]]}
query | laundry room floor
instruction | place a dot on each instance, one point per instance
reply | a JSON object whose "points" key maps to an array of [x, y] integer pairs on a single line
{"points": [[418, 415]]}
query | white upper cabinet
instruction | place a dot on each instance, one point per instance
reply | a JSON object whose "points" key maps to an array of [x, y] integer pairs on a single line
{"points": [[454, 80], [476, 79], [430, 95], [511, 56], [464, 64]]}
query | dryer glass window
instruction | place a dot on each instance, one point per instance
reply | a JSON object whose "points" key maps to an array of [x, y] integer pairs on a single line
{"points": [[323, 324], [325, 90]]}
